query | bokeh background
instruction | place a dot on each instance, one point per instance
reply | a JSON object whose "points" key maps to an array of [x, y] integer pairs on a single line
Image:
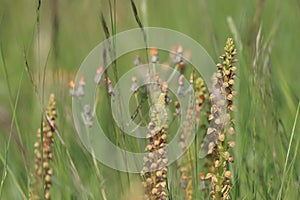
{"points": [[56, 38]]}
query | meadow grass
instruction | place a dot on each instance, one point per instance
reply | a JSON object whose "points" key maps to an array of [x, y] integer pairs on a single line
{"points": [[42, 44]]}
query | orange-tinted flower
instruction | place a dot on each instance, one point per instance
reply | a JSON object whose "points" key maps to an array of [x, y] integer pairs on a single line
{"points": [[71, 84], [201, 176], [176, 104], [99, 70], [153, 52]]}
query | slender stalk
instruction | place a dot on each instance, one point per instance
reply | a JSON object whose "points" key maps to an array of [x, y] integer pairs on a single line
{"points": [[13, 121], [288, 152], [99, 175]]}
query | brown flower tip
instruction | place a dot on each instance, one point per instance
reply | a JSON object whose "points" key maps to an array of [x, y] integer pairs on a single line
{"points": [[176, 104], [201, 176], [99, 70], [71, 84], [153, 52]]}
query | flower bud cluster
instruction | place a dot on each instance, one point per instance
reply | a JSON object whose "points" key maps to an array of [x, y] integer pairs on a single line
{"points": [[43, 151], [155, 162], [222, 125]]}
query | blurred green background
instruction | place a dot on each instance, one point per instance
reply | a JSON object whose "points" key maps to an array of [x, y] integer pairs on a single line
{"points": [[268, 89]]}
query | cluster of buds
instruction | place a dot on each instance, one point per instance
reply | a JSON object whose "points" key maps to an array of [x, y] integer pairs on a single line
{"points": [[222, 125], [155, 162], [43, 150], [200, 96]]}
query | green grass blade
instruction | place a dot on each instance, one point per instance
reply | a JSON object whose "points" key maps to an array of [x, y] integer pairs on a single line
{"points": [[10, 134], [288, 153], [14, 179]]}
